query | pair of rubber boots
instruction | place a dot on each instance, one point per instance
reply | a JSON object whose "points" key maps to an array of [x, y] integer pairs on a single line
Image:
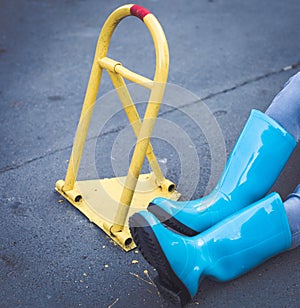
{"points": [[224, 234]]}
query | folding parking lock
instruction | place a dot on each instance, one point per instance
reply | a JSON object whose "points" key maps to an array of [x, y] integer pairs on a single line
{"points": [[109, 202]]}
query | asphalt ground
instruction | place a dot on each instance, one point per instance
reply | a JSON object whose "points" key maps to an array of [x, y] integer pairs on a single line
{"points": [[226, 56]]}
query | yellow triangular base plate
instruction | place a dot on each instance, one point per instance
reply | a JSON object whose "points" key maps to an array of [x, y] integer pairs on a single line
{"points": [[99, 200]]}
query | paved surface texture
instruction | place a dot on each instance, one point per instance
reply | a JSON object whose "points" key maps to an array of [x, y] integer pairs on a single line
{"points": [[234, 55]]}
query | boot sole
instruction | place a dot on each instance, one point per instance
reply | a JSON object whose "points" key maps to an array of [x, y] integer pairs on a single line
{"points": [[170, 221], [168, 284]]}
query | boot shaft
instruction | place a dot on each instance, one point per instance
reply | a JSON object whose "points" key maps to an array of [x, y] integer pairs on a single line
{"points": [[256, 161], [228, 249], [246, 239]]}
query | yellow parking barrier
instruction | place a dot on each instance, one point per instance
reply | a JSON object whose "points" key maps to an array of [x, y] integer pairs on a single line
{"points": [[109, 202]]}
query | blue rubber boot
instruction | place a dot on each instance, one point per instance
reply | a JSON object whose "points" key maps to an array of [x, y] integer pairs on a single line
{"points": [[223, 252], [256, 161]]}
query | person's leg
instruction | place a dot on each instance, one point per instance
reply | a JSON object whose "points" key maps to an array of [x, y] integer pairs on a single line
{"points": [[292, 208], [223, 252], [235, 244], [285, 108], [247, 176]]}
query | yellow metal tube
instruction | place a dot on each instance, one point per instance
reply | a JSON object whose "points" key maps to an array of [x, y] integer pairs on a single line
{"points": [[135, 122], [144, 129], [91, 93], [142, 81], [86, 195], [114, 66], [160, 79]]}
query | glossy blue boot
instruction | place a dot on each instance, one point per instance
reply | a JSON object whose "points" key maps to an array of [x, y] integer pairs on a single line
{"points": [[256, 161], [223, 252]]}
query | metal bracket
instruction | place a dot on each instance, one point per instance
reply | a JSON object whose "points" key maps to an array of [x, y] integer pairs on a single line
{"points": [[109, 202]]}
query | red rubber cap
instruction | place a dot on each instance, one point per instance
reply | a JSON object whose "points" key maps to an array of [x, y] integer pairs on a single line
{"points": [[139, 11]]}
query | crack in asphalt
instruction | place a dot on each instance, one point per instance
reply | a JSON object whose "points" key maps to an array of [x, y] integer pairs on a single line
{"points": [[115, 130]]}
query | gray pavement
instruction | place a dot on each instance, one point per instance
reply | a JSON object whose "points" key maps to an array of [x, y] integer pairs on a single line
{"points": [[234, 55]]}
